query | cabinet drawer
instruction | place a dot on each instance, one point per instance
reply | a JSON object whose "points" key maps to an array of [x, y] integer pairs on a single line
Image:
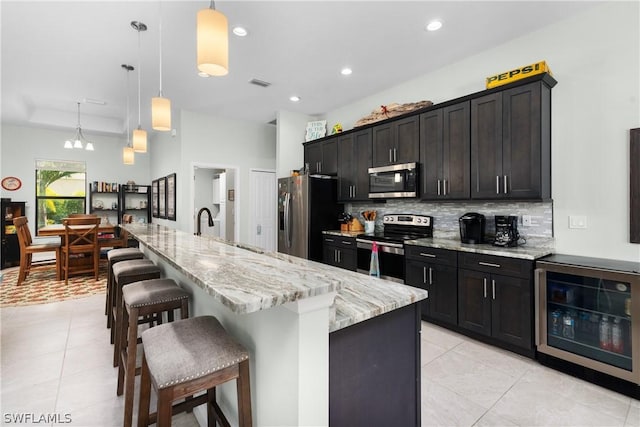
{"points": [[434, 255], [496, 264], [341, 242]]}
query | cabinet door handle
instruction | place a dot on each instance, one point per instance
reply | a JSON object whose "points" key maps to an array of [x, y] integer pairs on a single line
{"points": [[430, 276], [497, 184], [395, 154], [427, 255], [339, 257], [319, 166], [346, 243], [493, 288], [328, 240], [390, 161], [505, 185], [438, 187], [444, 187], [485, 286], [354, 192], [489, 264], [424, 275]]}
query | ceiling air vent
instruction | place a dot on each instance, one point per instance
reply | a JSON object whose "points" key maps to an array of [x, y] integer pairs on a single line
{"points": [[260, 83]]}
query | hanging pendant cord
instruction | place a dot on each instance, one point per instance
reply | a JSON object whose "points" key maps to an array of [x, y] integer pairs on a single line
{"points": [[160, 43], [139, 73], [128, 119], [212, 5]]}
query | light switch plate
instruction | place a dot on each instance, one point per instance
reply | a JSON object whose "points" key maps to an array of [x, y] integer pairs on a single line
{"points": [[526, 220], [577, 221]]}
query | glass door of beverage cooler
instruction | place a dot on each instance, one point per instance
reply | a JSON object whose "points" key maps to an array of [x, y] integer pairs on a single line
{"points": [[586, 318]]}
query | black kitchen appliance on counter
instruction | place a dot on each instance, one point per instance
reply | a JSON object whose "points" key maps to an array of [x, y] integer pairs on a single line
{"points": [[472, 227], [506, 231], [390, 241]]}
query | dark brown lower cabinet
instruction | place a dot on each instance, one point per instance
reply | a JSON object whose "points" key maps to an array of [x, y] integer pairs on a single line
{"points": [[440, 282], [340, 252], [374, 371], [496, 306]]}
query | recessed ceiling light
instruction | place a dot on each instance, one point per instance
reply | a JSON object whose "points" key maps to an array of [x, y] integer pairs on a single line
{"points": [[240, 31], [294, 98], [346, 71], [203, 74], [434, 25]]}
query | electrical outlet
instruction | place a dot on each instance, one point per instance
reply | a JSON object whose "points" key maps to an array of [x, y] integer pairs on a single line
{"points": [[526, 220], [577, 221]]}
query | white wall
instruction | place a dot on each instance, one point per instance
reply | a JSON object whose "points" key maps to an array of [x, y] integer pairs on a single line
{"points": [[21, 146], [211, 140], [290, 136], [595, 57]]}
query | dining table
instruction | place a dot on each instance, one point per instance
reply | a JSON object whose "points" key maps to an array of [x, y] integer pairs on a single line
{"points": [[58, 229]]}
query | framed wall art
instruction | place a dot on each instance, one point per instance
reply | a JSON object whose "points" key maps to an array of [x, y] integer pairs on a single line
{"points": [[171, 197], [162, 197], [154, 198]]}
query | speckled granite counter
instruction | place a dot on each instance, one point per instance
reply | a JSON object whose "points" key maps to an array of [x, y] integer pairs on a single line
{"points": [[530, 251], [246, 279], [342, 233]]}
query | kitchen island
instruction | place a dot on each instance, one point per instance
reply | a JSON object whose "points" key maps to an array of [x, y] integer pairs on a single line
{"points": [[294, 316]]}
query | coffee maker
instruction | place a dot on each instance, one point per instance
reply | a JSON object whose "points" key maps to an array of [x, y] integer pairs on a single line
{"points": [[472, 227], [506, 231]]}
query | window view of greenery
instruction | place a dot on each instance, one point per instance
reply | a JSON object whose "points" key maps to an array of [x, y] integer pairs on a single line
{"points": [[60, 190]]}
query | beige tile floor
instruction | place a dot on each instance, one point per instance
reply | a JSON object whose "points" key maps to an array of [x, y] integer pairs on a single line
{"points": [[56, 359]]}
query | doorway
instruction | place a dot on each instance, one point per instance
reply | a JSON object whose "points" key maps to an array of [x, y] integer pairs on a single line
{"points": [[215, 187], [262, 194]]}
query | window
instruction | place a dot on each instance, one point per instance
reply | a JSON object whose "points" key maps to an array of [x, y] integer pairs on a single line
{"points": [[60, 190]]}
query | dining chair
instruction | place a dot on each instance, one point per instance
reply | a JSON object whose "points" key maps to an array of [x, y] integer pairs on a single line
{"points": [[28, 247], [80, 249]]}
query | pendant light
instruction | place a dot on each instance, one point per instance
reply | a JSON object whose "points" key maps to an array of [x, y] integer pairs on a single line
{"points": [[160, 106], [77, 140], [128, 155], [139, 135], [212, 39]]}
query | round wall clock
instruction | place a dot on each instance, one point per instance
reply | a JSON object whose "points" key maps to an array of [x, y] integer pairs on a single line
{"points": [[11, 183]]}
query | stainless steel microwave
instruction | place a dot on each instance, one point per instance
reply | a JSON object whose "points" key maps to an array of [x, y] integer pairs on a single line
{"points": [[393, 181]]}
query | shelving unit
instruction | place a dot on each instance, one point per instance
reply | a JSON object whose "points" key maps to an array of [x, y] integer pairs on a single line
{"points": [[8, 237], [580, 299], [104, 201], [135, 200]]}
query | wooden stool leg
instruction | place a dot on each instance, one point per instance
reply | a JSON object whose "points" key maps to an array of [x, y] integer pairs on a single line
{"points": [[117, 320], [122, 343], [130, 372], [145, 394], [244, 395], [211, 414], [184, 309], [164, 407]]}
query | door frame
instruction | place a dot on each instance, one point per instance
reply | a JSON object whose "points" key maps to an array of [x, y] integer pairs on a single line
{"points": [[252, 216], [237, 195]]}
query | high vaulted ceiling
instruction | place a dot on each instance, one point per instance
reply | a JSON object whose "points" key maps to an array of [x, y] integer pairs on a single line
{"points": [[55, 54]]}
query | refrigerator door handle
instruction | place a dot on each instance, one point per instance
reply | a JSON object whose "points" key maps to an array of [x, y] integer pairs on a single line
{"points": [[287, 219]]}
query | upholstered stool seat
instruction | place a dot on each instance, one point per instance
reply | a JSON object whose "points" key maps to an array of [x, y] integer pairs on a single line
{"points": [[114, 256], [125, 272], [146, 298], [188, 356]]}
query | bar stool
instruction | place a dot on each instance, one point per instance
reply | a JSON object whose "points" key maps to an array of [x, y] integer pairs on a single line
{"points": [[125, 272], [185, 357], [146, 298], [114, 256]]}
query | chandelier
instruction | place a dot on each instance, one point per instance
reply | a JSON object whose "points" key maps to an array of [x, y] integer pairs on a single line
{"points": [[77, 141]]}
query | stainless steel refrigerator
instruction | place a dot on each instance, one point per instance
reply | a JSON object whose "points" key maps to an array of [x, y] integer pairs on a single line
{"points": [[306, 206]]}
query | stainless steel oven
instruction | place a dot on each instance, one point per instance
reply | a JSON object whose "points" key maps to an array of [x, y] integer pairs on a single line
{"points": [[397, 229]]}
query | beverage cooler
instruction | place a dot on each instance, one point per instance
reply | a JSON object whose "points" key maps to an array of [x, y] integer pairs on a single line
{"points": [[588, 313]]}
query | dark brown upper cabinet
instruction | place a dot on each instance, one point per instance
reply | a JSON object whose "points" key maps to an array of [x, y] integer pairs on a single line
{"points": [[634, 213], [511, 143], [396, 142], [445, 153], [322, 156], [354, 161]]}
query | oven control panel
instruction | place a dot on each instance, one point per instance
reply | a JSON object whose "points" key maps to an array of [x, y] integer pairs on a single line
{"points": [[419, 220]]}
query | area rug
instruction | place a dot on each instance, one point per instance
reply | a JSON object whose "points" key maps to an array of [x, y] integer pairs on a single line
{"points": [[41, 287]]}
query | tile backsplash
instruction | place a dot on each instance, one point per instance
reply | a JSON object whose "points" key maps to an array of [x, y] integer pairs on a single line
{"points": [[445, 214]]}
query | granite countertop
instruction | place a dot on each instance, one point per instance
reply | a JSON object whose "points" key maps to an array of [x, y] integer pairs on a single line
{"points": [[530, 251], [247, 279], [342, 233]]}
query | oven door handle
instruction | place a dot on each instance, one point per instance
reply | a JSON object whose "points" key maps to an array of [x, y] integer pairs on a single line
{"points": [[382, 244]]}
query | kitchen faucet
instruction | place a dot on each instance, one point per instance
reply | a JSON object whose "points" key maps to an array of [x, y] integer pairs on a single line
{"points": [[198, 233]]}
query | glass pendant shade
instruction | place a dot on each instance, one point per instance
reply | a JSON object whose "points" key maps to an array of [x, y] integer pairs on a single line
{"points": [[139, 140], [77, 144], [160, 113], [128, 156], [89, 146], [68, 144], [212, 36]]}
